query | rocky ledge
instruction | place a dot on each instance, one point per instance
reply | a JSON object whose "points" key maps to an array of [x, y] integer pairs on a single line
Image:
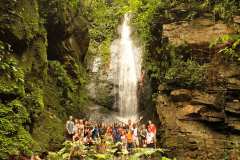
{"points": [[201, 122]]}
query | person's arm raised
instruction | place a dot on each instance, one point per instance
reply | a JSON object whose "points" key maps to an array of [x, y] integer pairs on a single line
{"points": [[139, 119]]}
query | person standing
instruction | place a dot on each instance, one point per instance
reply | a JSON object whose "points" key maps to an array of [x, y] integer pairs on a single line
{"points": [[124, 139], [70, 128], [81, 128], [143, 135], [130, 124], [152, 128], [129, 136], [135, 135], [150, 139], [95, 132], [116, 134]]}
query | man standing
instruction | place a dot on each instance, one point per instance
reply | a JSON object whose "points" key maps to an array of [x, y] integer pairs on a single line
{"points": [[150, 139], [70, 128], [135, 135], [152, 129]]}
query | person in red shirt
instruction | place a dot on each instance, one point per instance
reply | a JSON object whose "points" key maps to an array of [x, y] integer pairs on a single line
{"points": [[152, 128]]}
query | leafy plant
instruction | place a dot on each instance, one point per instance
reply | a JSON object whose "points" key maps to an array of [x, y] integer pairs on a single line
{"points": [[90, 153], [14, 139], [71, 88], [188, 73], [230, 49]]}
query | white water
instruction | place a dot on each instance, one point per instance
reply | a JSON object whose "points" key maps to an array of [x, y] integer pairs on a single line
{"points": [[125, 68]]}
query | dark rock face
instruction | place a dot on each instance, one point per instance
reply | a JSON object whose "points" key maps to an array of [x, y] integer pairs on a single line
{"points": [[201, 123], [67, 31]]}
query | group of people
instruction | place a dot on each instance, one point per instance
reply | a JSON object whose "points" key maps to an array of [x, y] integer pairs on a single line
{"points": [[131, 134]]}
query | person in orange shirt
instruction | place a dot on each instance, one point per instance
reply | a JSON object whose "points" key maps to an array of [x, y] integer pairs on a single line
{"points": [[129, 136]]}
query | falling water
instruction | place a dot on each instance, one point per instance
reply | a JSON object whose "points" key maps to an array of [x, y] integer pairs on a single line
{"points": [[126, 65]]}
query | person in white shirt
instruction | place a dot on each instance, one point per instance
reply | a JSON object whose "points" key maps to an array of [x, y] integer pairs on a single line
{"points": [[135, 135], [150, 139], [70, 127]]}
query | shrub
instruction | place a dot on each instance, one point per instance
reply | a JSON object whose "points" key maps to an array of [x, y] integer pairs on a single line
{"points": [[231, 47], [14, 139]]}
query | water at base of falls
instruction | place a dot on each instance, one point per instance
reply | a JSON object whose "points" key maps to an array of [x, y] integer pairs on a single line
{"points": [[125, 68]]}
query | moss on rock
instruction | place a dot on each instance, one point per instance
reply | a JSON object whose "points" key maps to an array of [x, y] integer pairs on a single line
{"points": [[48, 131], [35, 96]]}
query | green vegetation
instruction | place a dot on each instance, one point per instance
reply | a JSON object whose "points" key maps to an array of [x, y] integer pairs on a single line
{"points": [[103, 18], [169, 65], [38, 94], [99, 152], [229, 47], [14, 139], [48, 132], [35, 94], [186, 73], [165, 63], [72, 89], [12, 77]]}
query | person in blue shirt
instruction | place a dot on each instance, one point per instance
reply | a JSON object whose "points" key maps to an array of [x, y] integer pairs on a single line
{"points": [[116, 134]]}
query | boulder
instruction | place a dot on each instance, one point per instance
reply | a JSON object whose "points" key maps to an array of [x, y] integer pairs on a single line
{"points": [[181, 95]]}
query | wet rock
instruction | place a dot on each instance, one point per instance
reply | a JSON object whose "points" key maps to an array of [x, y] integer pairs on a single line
{"points": [[181, 95], [101, 90]]}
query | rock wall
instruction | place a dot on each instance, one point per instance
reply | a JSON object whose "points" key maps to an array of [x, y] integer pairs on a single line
{"points": [[196, 88], [42, 77]]}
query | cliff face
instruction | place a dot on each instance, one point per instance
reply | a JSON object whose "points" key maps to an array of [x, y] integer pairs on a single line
{"points": [[43, 46], [198, 105]]}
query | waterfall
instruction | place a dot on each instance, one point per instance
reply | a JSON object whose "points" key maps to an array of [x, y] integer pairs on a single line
{"points": [[125, 68]]}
